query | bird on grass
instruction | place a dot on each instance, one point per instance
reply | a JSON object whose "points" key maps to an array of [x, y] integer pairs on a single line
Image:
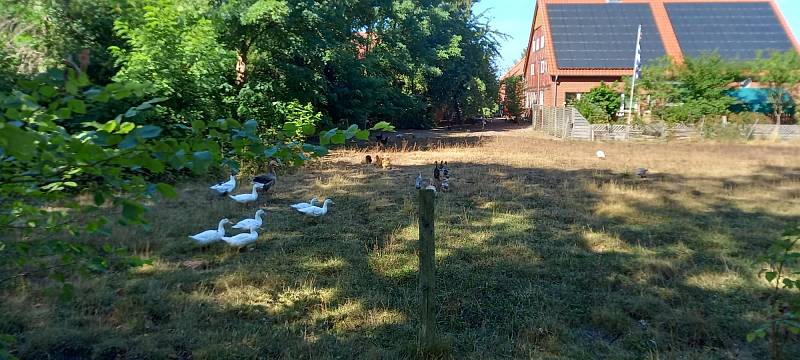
{"points": [[600, 154], [225, 187], [418, 181], [267, 180], [437, 175], [209, 236], [301, 205], [642, 173], [249, 224], [386, 163], [317, 211], [242, 239], [367, 160], [246, 198], [431, 187], [445, 184], [446, 171]]}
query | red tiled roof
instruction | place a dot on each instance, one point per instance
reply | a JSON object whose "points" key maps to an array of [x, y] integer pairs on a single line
{"points": [[517, 69], [663, 23]]}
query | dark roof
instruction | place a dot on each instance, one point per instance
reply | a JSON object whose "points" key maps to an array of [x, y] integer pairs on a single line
{"points": [[602, 36], [734, 30]]}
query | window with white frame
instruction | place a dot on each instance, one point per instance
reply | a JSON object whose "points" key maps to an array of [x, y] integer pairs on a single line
{"points": [[541, 46], [542, 66]]}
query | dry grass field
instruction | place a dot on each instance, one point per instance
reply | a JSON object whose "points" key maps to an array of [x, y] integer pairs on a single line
{"points": [[543, 252]]}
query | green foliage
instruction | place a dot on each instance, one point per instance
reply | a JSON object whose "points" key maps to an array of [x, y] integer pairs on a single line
{"points": [[688, 92], [599, 105], [514, 93], [356, 62], [6, 341], [47, 157], [781, 73], [173, 46], [784, 301]]}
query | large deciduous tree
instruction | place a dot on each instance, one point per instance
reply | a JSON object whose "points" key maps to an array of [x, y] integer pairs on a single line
{"points": [[174, 47]]}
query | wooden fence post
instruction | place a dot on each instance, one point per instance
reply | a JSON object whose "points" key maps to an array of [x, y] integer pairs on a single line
{"points": [[427, 270]]}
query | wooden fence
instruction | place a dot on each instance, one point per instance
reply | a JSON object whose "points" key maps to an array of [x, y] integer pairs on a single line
{"points": [[567, 123], [561, 122]]}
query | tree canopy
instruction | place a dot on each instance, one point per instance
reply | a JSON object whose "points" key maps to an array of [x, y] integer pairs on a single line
{"points": [[355, 61]]}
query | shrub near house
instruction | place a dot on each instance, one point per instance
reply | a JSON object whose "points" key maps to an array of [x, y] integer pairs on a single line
{"points": [[599, 105]]}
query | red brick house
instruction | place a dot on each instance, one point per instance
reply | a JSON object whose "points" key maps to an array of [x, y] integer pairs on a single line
{"points": [[514, 71], [576, 44]]}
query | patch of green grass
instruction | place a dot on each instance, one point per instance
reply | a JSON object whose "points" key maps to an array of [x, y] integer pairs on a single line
{"points": [[542, 252]]}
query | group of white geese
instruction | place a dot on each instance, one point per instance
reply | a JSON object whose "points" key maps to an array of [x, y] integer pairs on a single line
{"points": [[251, 226]]}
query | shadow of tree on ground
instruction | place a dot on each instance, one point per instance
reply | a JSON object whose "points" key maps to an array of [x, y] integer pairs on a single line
{"points": [[536, 263]]}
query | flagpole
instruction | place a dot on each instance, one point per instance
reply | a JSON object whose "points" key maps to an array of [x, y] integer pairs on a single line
{"points": [[637, 63]]}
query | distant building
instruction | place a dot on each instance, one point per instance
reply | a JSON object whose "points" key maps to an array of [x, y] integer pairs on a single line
{"points": [[514, 71], [576, 44]]}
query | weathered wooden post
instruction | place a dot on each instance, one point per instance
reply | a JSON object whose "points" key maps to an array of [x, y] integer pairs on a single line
{"points": [[427, 270]]}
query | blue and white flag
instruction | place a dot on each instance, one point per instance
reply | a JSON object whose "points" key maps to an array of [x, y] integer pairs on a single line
{"points": [[637, 62]]}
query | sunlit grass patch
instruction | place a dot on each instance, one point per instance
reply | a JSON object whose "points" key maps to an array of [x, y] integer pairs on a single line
{"points": [[543, 251]]}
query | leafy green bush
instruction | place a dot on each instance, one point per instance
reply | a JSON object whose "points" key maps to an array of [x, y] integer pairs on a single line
{"points": [[599, 105], [783, 258], [689, 91]]}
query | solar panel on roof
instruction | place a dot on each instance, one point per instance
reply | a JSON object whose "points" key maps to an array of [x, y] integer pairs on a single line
{"points": [[602, 35], [733, 30]]}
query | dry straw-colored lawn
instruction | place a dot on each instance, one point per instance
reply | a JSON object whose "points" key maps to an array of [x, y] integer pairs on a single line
{"points": [[543, 251]]}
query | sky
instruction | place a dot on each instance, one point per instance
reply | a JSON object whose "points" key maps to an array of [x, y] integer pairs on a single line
{"points": [[514, 17]]}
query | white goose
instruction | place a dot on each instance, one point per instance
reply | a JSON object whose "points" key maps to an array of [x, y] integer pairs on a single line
{"points": [[317, 211], [301, 205], [600, 154], [242, 239], [246, 198], [225, 187], [248, 224], [209, 236]]}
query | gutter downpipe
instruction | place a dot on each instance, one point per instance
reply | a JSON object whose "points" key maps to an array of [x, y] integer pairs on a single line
{"points": [[539, 90], [555, 92]]}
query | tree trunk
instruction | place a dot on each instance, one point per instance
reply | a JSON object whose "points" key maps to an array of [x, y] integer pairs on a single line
{"points": [[241, 64]]}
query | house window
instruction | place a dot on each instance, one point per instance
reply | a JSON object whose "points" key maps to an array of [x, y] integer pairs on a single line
{"points": [[542, 67], [536, 45], [542, 44], [572, 97], [541, 97]]}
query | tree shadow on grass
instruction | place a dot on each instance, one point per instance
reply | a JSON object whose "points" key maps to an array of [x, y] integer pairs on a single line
{"points": [[530, 263]]}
